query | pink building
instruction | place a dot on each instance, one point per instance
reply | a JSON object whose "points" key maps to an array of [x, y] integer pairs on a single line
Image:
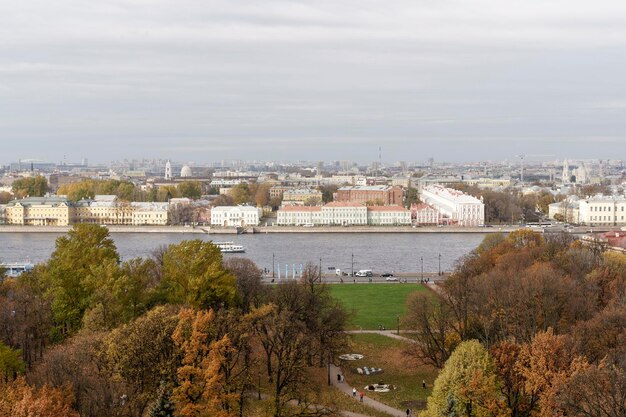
{"points": [[425, 214]]}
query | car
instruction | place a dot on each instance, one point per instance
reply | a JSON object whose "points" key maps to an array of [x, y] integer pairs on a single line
{"points": [[386, 274], [391, 278]]}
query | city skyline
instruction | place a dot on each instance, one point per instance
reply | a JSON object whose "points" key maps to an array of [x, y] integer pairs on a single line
{"points": [[332, 80]]}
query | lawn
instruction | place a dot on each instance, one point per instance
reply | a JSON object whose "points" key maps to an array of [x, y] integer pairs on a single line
{"points": [[374, 304], [399, 369]]}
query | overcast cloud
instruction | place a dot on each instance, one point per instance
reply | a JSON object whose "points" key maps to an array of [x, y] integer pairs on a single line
{"points": [[271, 79]]}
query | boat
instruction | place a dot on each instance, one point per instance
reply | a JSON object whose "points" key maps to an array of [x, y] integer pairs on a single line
{"points": [[16, 269], [229, 247]]}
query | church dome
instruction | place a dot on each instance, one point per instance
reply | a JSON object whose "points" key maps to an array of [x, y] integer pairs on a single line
{"points": [[185, 171]]}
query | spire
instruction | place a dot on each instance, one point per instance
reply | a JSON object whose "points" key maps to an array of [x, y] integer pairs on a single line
{"points": [[168, 170]]}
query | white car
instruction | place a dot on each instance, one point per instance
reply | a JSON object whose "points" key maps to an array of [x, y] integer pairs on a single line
{"points": [[391, 278]]}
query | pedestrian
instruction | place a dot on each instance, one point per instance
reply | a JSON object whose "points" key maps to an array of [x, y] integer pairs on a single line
{"points": [[361, 395], [423, 383], [408, 412], [353, 392]]}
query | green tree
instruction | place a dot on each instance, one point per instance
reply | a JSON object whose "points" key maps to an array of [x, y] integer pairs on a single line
{"points": [[69, 268], [190, 189], [193, 274], [467, 385], [31, 186], [240, 193], [10, 362]]}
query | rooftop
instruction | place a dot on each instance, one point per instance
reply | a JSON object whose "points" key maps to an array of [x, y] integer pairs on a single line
{"points": [[388, 208]]}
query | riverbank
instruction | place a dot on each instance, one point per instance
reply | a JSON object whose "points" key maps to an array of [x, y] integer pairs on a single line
{"points": [[263, 229]]}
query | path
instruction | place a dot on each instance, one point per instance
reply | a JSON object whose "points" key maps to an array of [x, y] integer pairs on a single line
{"points": [[346, 388], [389, 333]]}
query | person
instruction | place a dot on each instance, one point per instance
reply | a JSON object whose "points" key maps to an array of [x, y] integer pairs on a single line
{"points": [[338, 377], [353, 392], [408, 412], [423, 383], [361, 396]]}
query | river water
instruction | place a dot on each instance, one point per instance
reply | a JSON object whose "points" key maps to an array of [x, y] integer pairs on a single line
{"points": [[380, 252]]}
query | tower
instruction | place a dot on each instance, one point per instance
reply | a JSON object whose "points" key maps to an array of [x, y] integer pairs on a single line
{"points": [[168, 170], [565, 176]]}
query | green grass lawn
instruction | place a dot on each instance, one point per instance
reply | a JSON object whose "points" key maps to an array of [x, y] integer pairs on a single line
{"points": [[399, 369], [374, 304]]}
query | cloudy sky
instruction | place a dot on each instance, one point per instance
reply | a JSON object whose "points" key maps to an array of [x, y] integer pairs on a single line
{"points": [[207, 80]]}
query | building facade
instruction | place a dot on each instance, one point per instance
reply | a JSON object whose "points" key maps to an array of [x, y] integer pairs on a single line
{"points": [[454, 206], [371, 194], [343, 214], [425, 214], [603, 211], [301, 195], [388, 216], [40, 211], [235, 216]]}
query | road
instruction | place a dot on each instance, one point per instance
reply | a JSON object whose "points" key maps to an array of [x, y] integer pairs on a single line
{"points": [[400, 278]]}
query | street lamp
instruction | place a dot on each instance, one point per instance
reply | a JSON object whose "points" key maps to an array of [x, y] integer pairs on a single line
{"points": [[439, 264], [398, 332], [422, 260], [352, 268], [273, 263]]}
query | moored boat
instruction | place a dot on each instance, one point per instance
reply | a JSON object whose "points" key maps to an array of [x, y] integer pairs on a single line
{"points": [[229, 247]]}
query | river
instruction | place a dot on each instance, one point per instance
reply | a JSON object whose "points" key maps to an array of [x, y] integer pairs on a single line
{"points": [[380, 252]]}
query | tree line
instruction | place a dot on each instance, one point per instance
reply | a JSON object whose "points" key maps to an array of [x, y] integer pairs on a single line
{"points": [[181, 333], [526, 326]]}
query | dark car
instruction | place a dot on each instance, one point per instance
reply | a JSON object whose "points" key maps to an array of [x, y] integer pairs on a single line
{"points": [[386, 274]]}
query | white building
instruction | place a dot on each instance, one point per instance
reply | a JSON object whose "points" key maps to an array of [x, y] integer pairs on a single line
{"points": [[567, 210], [457, 207], [603, 210], [149, 213], [235, 216], [388, 216], [344, 214], [425, 214]]}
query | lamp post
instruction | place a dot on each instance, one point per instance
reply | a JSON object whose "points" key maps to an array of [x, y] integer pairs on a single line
{"points": [[273, 263], [439, 264], [329, 368], [398, 332], [352, 267], [422, 261], [320, 270]]}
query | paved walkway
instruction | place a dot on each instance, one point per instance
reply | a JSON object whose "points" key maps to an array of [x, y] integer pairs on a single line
{"points": [[346, 388], [388, 333]]}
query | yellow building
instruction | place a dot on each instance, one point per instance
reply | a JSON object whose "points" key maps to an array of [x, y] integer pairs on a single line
{"points": [[104, 210], [40, 211]]}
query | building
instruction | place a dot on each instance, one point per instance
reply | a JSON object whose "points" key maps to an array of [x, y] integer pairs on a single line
{"points": [[567, 210], [185, 172], [277, 191], [382, 195], [168, 171], [235, 216], [425, 214], [454, 206], [40, 211], [103, 209], [388, 216], [603, 210], [343, 214], [301, 196]]}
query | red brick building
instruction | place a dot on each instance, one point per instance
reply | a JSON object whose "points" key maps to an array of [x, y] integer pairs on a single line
{"points": [[373, 194]]}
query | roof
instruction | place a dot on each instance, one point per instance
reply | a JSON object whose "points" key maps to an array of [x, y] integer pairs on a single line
{"points": [[451, 194], [422, 206], [343, 204], [397, 209], [300, 208], [366, 188], [229, 208], [30, 201]]}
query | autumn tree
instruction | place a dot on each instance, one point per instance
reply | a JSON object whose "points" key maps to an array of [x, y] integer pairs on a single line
{"points": [[469, 379], [18, 399], [240, 193], [86, 246], [10, 363], [30, 186], [248, 280], [192, 274], [190, 189]]}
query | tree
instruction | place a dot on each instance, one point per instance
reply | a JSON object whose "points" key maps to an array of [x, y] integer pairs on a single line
{"points": [[214, 370], [5, 197], [10, 362], [30, 186], [240, 193], [86, 246], [248, 280], [262, 194], [190, 189], [313, 201], [327, 192], [432, 319], [163, 406], [411, 197], [18, 399], [466, 386], [193, 274]]}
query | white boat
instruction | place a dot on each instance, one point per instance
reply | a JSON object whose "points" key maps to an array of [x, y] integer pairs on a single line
{"points": [[15, 269], [229, 247]]}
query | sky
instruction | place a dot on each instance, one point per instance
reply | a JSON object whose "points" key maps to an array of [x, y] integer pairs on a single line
{"points": [[206, 80]]}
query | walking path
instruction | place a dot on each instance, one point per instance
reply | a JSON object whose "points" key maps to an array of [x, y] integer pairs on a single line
{"points": [[389, 333], [347, 389]]}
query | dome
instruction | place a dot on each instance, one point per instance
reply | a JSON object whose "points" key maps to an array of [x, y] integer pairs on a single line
{"points": [[185, 171]]}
